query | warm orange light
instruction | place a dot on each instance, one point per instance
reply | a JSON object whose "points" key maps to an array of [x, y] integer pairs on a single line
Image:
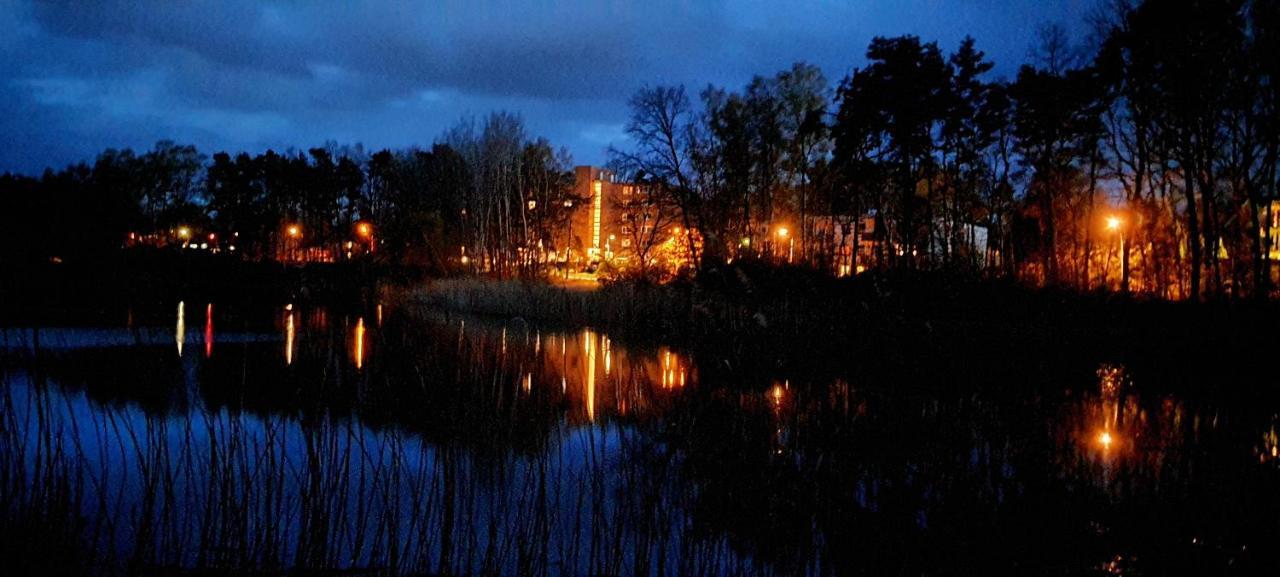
{"points": [[359, 352], [589, 339], [1113, 223], [184, 232], [1105, 439], [783, 232], [597, 202], [295, 231], [288, 337], [364, 229]]}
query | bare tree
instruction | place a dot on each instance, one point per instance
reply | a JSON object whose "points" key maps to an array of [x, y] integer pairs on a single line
{"points": [[664, 129]]}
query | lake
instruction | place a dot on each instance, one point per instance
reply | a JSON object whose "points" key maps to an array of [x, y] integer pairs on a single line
{"points": [[201, 437]]}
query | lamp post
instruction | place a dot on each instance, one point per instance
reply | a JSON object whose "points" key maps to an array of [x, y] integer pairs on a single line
{"points": [[1116, 225], [784, 234], [294, 232], [365, 231]]}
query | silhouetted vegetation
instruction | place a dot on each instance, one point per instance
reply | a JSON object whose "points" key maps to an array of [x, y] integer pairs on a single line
{"points": [[491, 189], [1142, 159]]}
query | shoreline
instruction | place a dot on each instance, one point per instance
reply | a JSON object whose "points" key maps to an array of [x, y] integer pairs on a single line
{"points": [[769, 319]]}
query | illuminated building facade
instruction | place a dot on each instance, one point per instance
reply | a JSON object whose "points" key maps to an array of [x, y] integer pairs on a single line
{"points": [[600, 231]]}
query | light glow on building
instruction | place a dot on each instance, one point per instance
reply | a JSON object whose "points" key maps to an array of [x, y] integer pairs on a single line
{"points": [[597, 202]]}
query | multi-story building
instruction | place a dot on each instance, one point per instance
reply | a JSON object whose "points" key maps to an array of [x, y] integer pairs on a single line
{"points": [[618, 222]]}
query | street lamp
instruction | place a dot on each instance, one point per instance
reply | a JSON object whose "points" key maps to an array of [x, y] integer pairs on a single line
{"points": [[1116, 224], [294, 232], [783, 233]]}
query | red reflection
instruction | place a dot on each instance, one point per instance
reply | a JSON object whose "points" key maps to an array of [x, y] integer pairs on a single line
{"points": [[208, 330]]}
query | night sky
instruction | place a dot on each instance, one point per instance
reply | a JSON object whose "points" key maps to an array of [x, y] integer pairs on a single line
{"points": [[78, 77]]}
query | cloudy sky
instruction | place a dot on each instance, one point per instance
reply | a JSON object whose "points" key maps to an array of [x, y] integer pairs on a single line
{"points": [[80, 76]]}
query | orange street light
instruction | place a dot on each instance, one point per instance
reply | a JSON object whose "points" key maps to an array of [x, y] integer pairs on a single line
{"points": [[364, 229], [295, 231], [1105, 440], [783, 233], [1116, 225], [184, 232]]}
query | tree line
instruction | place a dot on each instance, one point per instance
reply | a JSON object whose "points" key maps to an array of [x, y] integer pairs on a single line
{"points": [[1142, 157], [485, 189]]}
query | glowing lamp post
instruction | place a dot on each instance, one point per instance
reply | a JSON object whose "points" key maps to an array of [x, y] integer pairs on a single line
{"points": [[294, 232], [364, 230], [1116, 225], [784, 234]]}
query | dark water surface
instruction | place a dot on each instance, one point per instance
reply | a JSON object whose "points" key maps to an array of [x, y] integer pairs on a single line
{"points": [[268, 441]]}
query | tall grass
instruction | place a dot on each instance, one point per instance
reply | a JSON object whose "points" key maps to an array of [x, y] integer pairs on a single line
{"points": [[642, 309], [346, 482]]}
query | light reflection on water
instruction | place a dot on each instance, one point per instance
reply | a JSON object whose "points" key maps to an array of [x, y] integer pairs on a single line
{"points": [[448, 445], [180, 331]]}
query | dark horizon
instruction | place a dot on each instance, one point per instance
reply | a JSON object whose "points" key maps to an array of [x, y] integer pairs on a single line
{"points": [[78, 80]]}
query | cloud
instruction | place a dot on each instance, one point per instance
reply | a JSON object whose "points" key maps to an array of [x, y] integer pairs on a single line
{"points": [[76, 77]]}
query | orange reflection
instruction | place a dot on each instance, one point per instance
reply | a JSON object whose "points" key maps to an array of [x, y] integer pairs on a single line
{"points": [[608, 361], [208, 330], [1270, 449], [1105, 440], [589, 341], [673, 371], [288, 338], [1105, 416], [776, 394], [359, 346], [605, 379]]}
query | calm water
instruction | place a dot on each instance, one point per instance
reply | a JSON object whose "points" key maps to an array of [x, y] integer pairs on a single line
{"points": [[194, 437]]}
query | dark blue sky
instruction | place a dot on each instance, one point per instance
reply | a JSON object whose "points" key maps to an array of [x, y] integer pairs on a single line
{"points": [[78, 77]]}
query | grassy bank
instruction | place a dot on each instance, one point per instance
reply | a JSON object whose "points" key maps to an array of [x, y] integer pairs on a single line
{"points": [[634, 309], [757, 317]]}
